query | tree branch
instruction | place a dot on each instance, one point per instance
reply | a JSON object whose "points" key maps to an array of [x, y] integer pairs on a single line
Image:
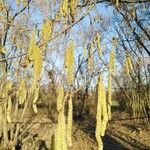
{"points": [[20, 55]]}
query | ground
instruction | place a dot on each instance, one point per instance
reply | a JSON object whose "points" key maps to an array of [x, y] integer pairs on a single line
{"points": [[121, 134]]}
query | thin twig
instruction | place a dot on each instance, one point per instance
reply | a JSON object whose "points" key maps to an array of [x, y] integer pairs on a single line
{"points": [[20, 55], [62, 31]]}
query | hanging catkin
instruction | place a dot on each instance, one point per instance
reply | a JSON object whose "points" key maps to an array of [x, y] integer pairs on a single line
{"points": [[37, 74], [112, 60], [89, 63], [128, 63], [126, 66], [109, 95], [18, 2], [63, 132], [47, 29], [90, 58], [25, 3], [101, 116], [2, 50], [73, 5], [117, 3], [38, 61], [69, 122], [69, 62], [57, 136], [36, 95], [32, 46], [98, 118], [65, 8], [35, 55], [22, 92], [60, 132], [98, 45], [60, 99], [111, 69]]}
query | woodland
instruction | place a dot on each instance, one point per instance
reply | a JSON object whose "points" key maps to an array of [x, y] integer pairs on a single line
{"points": [[74, 74]]}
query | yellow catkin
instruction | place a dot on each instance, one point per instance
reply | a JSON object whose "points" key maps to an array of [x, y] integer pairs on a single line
{"points": [[63, 131], [36, 95], [100, 143], [60, 98], [18, 2], [73, 5], [57, 136], [105, 113], [35, 55], [69, 122], [109, 95], [25, 3], [32, 46], [126, 66], [58, 14], [2, 50], [112, 60], [47, 29], [98, 115], [60, 132], [111, 69], [91, 49], [69, 62], [91, 54], [22, 92], [89, 63], [65, 8], [128, 63], [34, 108], [117, 3], [38, 61], [101, 116], [90, 58], [133, 12], [97, 42]]}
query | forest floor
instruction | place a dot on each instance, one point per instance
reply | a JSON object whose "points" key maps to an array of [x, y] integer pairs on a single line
{"points": [[121, 134], [135, 133]]}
